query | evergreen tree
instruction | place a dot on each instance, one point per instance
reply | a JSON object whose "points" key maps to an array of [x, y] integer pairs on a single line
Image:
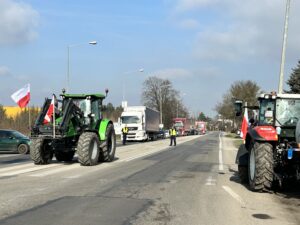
{"points": [[294, 80]]}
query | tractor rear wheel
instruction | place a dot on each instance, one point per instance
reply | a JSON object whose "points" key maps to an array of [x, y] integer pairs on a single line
{"points": [[88, 149], [107, 153], [40, 152], [64, 156], [261, 167]]}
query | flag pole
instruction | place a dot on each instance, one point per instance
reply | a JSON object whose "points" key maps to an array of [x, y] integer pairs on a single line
{"points": [[29, 118], [53, 116]]}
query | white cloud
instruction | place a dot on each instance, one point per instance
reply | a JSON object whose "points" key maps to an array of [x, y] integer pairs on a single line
{"points": [[243, 28], [188, 24], [4, 71], [18, 22], [172, 73], [186, 5]]}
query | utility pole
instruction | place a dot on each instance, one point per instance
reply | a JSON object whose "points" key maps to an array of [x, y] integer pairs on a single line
{"points": [[285, 33]]}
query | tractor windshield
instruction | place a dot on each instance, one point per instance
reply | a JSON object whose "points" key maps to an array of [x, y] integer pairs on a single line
{"points": [[287, 111], [84, 105]]}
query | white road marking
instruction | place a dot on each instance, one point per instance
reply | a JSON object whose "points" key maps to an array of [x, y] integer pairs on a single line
{"points": [[210, 181], [221, 167], [14, 167], [234, 195], [27, 170], [61, 168]]}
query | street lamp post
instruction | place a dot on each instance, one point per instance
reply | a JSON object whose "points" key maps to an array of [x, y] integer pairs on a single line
{"points": [[280, 86], [68, 72]]}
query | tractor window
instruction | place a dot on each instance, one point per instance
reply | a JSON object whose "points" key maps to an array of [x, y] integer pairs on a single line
{"points": [[287, 111], [95, 110], [266, 112], [84, 105]]}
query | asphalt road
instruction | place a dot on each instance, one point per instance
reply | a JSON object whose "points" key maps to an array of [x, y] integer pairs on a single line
{"points": [[148, 183]]}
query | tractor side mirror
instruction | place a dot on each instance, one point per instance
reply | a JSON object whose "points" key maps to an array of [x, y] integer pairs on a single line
{"points": [[238, 107], [106, 92]]}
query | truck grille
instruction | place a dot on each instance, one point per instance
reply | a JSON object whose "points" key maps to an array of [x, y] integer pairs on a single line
{"points": [[132, 128]]}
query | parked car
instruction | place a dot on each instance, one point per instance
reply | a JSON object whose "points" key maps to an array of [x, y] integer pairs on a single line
{"points": [[14, 141]]}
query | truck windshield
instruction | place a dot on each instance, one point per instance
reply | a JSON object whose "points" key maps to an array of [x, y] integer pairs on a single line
{"points": [[130, 119], [178, 124], [287, 111]]}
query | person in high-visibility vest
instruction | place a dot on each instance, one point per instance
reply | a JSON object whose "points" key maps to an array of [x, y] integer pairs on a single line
{"points": [[173, 134], [124, 132]]}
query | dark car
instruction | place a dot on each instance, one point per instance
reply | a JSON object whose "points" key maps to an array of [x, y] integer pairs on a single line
{"points": [[14, 141]]}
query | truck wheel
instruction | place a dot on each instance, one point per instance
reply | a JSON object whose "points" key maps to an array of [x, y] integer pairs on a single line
{"points": [[261, 167], [40, 152], [107, 153], [64, 156], [23, 149], [88, 149]]}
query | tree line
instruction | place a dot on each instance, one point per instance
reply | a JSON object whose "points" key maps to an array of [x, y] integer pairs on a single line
{"points": [[21, 121], [248, 91]]}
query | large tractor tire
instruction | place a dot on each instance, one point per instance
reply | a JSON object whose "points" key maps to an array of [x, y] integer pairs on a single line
{"points": [[107, 153], [88, 149], [243, 174], [40, 152], [64, 156], [242, 161], [23, 149], [261, 168]]}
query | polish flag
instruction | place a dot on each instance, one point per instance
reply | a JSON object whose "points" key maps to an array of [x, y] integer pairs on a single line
{"points": [[244, 124], [22, 96], [50, 111]]}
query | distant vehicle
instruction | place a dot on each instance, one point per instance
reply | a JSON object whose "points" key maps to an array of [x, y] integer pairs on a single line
{"points": [[167, 133], [14, 141], [142, 123], [200, 127], [182, 125]]}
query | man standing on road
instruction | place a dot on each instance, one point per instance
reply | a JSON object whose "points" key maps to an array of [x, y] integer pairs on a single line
{"points": [[124, 132], [173, 133]]}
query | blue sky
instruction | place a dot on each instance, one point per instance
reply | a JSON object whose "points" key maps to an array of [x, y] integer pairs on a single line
{"points": [[202, 46]]}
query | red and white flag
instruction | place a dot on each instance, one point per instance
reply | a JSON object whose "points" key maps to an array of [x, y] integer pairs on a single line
{"points": [[244, 124], [22, 96], [50, 111]]}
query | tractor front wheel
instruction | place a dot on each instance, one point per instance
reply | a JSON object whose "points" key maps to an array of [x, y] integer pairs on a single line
{"points": [[40, 152], [261, 167], [88, 149], [107, 153]]}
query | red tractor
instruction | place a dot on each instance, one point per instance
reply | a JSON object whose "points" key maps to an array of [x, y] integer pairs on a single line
{"points": [[271, 152]]}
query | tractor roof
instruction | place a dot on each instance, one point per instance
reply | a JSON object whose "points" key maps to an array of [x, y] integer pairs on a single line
{"points": [[281, 96], [83, 96]]}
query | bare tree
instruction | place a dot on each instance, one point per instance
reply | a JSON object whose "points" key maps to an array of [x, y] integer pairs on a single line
{"points": [[156, 91], [246, 91]]}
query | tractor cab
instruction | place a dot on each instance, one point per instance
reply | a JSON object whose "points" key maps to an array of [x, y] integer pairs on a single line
{"points": [[88, 107], [281, 111]]}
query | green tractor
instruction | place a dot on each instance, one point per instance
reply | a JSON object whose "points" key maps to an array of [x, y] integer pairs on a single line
{"points": [[78, 128]]}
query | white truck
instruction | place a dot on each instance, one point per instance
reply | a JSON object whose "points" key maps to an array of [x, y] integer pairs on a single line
{"points": [[142, 123]]}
